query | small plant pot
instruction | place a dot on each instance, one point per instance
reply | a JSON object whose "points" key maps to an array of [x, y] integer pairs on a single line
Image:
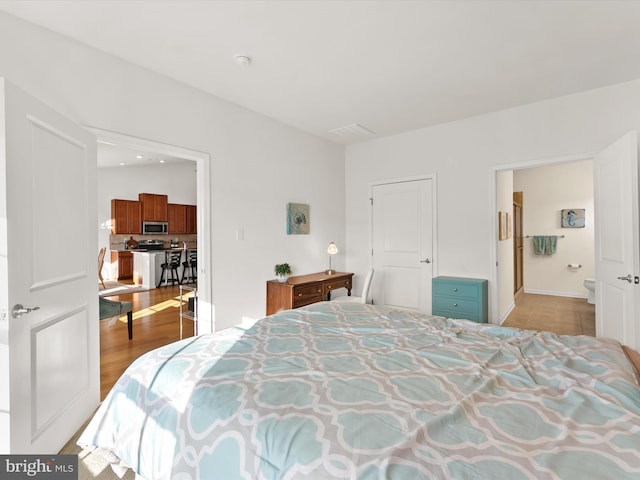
{"points": [[282, 278]]}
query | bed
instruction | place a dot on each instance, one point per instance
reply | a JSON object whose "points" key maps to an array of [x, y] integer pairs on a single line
{"points": [[355, 391]]}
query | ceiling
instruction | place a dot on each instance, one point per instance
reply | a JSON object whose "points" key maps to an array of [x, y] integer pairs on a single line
{"points": [[389, 66], [111, 155]]}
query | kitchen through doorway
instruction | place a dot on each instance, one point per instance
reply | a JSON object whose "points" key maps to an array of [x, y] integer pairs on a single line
{"points": [[152, 158]]}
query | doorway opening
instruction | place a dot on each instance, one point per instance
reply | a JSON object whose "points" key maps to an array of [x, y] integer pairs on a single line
{"points": [[185, 175], [534, 194]]}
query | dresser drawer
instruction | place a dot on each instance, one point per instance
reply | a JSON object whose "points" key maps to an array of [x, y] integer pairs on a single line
{"points": [[459, 305], [307, 294], [453, 289], [334, 285], [455, 304]]}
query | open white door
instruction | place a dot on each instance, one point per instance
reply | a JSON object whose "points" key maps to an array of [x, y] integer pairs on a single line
{"points": [[49, 357], [402, 239], [617, 241]]}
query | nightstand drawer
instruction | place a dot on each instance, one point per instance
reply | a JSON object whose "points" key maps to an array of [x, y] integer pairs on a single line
{"points": [[307, 294]]}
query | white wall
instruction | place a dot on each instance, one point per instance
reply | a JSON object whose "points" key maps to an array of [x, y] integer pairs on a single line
{"points": [[178, 181], [464, 155], [258, 164], [546, 191]]}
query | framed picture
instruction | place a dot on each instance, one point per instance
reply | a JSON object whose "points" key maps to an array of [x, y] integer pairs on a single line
{"points": [[298, 219], [572, 218]]}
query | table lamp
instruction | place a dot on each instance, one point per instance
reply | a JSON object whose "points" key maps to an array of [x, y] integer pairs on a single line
{"points": [[331, 250]]}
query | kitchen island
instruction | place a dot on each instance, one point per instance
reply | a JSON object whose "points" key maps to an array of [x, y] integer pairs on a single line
{"points": [[147, 265]]}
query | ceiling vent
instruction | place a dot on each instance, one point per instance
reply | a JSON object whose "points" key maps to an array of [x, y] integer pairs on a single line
{"points": [[353, 131]]}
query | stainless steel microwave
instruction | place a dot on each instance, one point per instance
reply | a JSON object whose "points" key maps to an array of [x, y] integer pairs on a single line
{"points": [[155, 228]]}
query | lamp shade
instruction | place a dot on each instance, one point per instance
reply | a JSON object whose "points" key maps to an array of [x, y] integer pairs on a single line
{"points": [[332, 249]]}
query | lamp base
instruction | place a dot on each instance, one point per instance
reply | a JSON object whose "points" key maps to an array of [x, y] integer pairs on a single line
{"points": [[329, 272]]}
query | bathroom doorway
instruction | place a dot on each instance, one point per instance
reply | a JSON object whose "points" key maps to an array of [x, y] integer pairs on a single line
{"points": [[535, 196]]}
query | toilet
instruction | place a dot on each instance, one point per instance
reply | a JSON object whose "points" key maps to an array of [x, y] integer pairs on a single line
{"points": [[590, 284]]}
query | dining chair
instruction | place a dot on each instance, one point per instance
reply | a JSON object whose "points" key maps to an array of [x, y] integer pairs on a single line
{"points": [[364, 296], [190, 267], [101, 254], [170, 266]]}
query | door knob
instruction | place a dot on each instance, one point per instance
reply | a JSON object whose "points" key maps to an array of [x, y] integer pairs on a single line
{"points": [[426, 260], [628, 278], [18, 310]]}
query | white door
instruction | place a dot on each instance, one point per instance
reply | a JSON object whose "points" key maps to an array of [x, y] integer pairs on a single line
{"points": [[49, 357], [617, 241], [402, 231]]}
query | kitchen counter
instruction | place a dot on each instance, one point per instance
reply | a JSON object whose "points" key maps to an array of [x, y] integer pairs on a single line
{"points": [[147, 265], [151, 250]]}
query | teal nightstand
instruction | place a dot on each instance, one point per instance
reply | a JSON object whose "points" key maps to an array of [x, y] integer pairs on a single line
{"points": [[459, 297]]}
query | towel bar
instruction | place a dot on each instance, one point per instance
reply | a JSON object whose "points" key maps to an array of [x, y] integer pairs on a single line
{"points": [[530, 236]]}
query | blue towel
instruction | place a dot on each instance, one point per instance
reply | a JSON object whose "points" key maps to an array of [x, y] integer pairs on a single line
{"points": [[538, 244], [545, 244], [550, 244]]}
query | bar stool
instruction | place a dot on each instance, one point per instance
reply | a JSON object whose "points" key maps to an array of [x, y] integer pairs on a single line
{"points": [[171, 264], [191, 262]]}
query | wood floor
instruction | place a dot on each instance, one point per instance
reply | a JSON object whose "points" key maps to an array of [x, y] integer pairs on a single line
{"points": [[156, 322], [561, 315]]}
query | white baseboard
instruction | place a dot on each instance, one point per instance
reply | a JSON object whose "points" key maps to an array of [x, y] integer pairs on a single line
{"points": [[556, 294], [506, 314]]}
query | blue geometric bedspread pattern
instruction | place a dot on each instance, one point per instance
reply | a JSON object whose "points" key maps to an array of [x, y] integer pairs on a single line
{"points": [[337, 391]]}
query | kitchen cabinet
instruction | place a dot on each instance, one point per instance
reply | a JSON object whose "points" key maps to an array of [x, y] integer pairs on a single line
{"points": [[182, 218], [126, 217], [192, 219], [177, 218], [124, 261], [154, 207]]}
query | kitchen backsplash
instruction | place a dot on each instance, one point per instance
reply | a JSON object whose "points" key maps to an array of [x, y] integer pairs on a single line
{"points": [[117, 242]]}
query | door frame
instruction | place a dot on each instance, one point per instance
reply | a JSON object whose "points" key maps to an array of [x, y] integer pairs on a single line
{"points": [[434, 214], [494, 297], [206, 310]]}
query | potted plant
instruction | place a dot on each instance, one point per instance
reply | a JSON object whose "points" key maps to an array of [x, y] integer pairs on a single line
{"points": [[282, 270]]}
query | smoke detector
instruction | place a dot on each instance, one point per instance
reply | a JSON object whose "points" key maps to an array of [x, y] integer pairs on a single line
{"points": [[243, 60]]}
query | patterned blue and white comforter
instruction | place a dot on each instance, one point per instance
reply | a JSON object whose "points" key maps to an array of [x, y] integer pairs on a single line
{"points": [[338, 390]]}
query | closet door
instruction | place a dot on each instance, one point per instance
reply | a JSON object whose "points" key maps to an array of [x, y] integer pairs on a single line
{"points": [[402, 240]]}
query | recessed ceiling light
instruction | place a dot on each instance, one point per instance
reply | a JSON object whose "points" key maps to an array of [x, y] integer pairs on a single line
{"points": [[139, 157], [161, 161], [243, 60], [122, 163]]}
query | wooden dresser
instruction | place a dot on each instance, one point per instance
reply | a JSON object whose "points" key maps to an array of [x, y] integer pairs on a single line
{"points": [[305, 289], [459, 297]]}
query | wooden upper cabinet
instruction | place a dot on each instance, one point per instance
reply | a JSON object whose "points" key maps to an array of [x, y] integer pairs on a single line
{"points": [[154, 207], [134, 210], [177, 218], [125, 217], [192, 219], [182, 218]]}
